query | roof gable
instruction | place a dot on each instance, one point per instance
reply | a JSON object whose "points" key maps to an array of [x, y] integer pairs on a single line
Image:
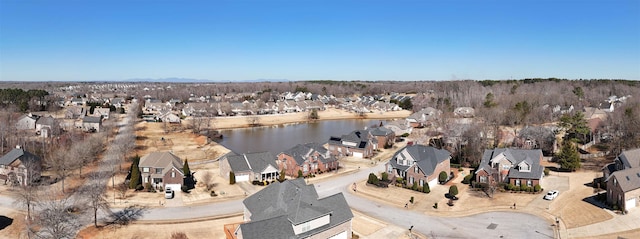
{"points": [[19, 154], [628, 179]]}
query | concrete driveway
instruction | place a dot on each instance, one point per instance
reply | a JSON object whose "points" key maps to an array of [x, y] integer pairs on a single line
{"points": [[560, 183]]}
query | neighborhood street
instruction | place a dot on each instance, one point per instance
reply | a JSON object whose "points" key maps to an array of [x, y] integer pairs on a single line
{"points": [[484, 225]]}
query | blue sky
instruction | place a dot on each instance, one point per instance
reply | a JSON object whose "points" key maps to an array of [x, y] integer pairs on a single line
{"points": [[318, 40]]}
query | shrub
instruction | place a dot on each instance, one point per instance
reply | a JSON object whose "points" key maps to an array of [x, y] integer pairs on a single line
{"points": [[442, 177], [411, 200], [405, 135], [400, 180], [435, 205], [425, 188], [414, 186], [300, 175], [149, 188], [419, 189], [213, 193], [281, 177], [232, 178], [139, 187], [546, 172], [385, 176], [453, 190], [185, 188], [523, 187], [467, 179], [537, 188], [373, 179]]}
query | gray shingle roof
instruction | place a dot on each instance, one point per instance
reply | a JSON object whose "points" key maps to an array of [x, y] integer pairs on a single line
{"points": [[255, 162], [46, 121], [515, 156], [277, 207], [162, 160], [426, 157], [630, 158], [91, 119], [301, 152], [628, 179], [18, 153], [360, 137], [381, 131]]}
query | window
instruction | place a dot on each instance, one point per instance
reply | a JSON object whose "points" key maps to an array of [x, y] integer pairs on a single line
{"points": [[615, 182], [518, 182], [306, 226], [421, 183], [145, 170], [483, 179], [305, 168], [173, 174], [146, 180], [529, 183], [158, 170], [410, 180], [415, 169]]}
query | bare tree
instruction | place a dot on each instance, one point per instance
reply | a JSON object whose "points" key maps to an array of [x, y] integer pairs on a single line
{"points": [[253, 120], [56, 218], [206, 179], [60, 165], [94, 194]]}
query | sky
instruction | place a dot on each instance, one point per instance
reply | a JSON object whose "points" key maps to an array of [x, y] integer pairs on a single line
{"points": [[369, 40]]}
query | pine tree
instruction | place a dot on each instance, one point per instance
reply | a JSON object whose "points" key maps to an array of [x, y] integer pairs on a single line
{"points": [[282, 176], [185, 168], [135, 173], [569, 158], [232, 178]]}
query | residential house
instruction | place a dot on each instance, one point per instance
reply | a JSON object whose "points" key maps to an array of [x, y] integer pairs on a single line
{"points": [[359, 143], [26, 122], [419, 163], [626, 160], [169, 117], [45, 125], [399, 127], [537, 137], [20, 167], [515, 166], [101, 112], [464, 112], [384, 136], [162, 169], [91, 124], [622, 178], [74, 112], [250, 167], [623, 188], [293, 209], [307, 158], [423, 117]]}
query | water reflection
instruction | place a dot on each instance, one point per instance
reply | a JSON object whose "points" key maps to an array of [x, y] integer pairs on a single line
{"points": [[279, 138]]}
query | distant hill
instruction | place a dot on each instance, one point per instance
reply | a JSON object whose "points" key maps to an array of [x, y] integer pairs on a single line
{"points": [[189, 80]]}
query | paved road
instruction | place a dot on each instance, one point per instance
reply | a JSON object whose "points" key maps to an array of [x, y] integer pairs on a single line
{"points": [[485, 225]]}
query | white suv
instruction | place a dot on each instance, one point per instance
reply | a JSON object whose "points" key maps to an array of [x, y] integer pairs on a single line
{"points": [[551, 195], [168, 193]]}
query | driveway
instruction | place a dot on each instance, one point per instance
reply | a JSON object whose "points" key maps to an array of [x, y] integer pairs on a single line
{"points": [[560, 183]]}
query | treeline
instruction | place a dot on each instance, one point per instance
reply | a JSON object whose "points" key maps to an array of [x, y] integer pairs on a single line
{"points": [[21, 98]]}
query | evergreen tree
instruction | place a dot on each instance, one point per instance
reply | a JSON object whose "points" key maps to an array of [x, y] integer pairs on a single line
{"points": [[442, 177], [453, 190], [300, 175], [281, 178], [135, 173], [185, 168], [569, 158], [232, 178]]}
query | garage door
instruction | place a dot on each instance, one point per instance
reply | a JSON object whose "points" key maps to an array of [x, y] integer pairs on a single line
{"points": [[342, 235], [242, 178], [631, 203], [174, 187], [357, 155], [433, 183]]}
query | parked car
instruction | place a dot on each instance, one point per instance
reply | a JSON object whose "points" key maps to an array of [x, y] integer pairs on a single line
{"points": [[551, 195], [168, 193]]}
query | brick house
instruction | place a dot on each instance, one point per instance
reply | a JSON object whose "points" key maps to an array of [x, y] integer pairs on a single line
{"points": [[623, 180], [419, 163], [259, 166], [514, 166], [385, 136], [359, 143], [20, 167], [309, 158], [269, 213], [162, 169]]}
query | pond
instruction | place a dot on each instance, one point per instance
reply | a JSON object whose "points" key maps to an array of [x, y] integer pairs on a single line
{"points": [[282, 137]]}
